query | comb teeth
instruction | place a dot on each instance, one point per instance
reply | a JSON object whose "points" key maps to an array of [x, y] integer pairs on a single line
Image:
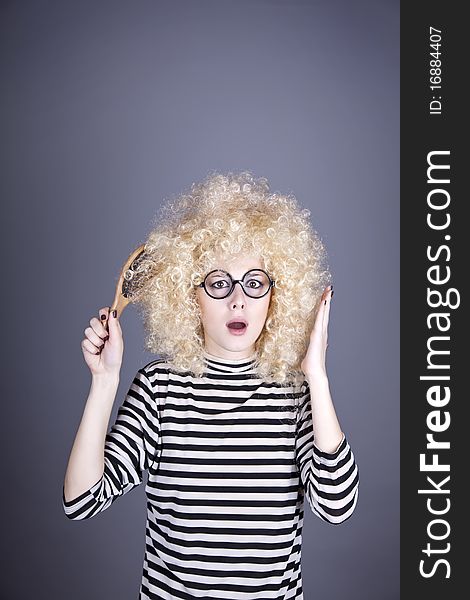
{"points": [[132, 276]]}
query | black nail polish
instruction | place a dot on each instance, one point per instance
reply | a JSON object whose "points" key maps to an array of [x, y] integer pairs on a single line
{"points": [[332, 294], [103, 317]]}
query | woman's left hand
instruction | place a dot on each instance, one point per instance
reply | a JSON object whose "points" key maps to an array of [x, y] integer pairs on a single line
{"points": [[315, 358]]}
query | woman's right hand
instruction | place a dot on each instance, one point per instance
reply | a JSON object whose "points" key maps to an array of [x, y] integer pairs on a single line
{"points": [[103, 349]]}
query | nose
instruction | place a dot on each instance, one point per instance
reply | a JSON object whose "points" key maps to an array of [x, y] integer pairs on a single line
{"points": [[237, 297]]}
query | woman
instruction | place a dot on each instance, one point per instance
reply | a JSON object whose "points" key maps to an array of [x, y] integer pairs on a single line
{"points": [[234, 423]]}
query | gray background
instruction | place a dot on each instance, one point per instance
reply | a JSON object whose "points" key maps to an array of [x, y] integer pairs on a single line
{"points": [[108, 108]]}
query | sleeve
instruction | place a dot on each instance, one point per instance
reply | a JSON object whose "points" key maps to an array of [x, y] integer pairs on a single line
{"points": [[130, 448], [330, 480]]}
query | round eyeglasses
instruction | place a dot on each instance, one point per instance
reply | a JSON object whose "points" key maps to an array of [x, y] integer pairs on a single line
{"points": [[219, 284]]}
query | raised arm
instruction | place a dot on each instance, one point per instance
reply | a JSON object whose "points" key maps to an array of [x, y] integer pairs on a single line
{"points": [[326, 463], [130, 448]]}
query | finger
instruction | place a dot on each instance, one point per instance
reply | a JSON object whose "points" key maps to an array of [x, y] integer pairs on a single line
{"points": [[327, 293], [325, 296], [114, 325], [98, 327], [321, 308], [87, 346], [93, 337], [103, 314], [326, 311]]}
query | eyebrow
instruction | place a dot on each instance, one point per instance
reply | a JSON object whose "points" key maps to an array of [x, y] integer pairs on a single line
{"points": [[228, 272]]}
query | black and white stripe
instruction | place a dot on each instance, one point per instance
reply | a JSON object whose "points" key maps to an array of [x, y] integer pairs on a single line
{"points": [[229, 461]]}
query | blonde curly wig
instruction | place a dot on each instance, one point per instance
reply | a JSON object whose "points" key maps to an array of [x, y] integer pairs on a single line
{"points": [[228, 214]]}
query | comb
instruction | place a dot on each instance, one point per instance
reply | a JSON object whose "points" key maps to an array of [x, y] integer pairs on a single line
{"points": [[129, 280]]}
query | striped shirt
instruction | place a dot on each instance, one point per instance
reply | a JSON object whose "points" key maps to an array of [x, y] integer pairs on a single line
{"points": [[229, 462]]}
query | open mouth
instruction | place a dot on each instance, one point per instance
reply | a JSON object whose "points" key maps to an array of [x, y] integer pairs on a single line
{"points": [[237, 326]]}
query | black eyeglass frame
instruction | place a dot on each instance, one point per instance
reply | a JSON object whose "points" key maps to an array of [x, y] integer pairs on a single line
{"points": [[272, 283]]}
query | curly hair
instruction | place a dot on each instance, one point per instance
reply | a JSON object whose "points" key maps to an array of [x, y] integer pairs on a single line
{"points": [[228, 214]]}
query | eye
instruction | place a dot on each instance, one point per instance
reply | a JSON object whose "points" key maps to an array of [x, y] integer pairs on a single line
{"points": [[254, 283], [223, 282]]}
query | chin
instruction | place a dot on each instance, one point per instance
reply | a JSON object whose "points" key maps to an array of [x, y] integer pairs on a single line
{"points": [[242, 345], [236, 345]]}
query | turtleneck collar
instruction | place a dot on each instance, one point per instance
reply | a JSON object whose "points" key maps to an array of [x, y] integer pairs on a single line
{"points": [[229, 364]]}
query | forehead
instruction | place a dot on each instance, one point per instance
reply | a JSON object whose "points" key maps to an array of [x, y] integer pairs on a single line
{"points": [[238, 265]]}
